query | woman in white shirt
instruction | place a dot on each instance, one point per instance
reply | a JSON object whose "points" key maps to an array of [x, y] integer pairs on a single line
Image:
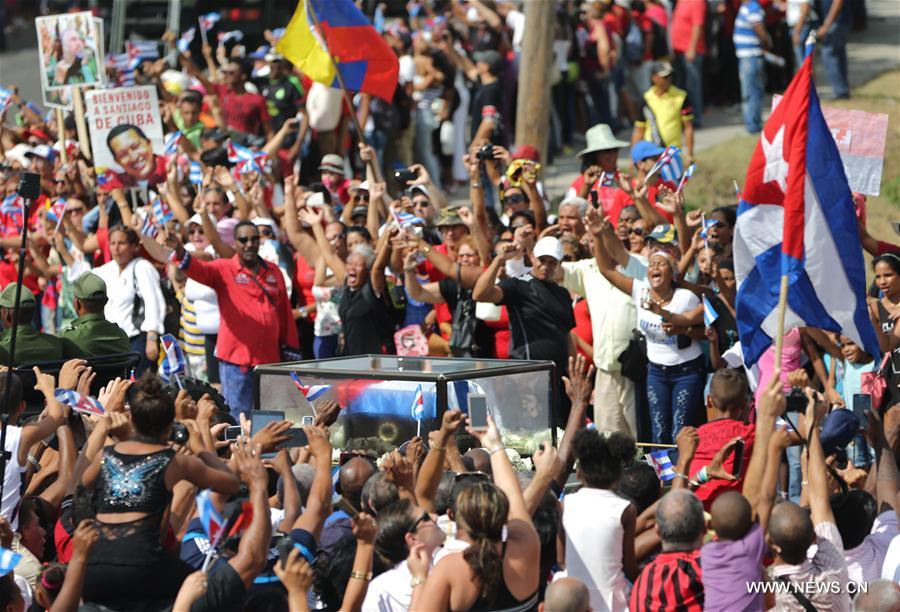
{"points": [[600, 544], [129, 276], [665, 315]]}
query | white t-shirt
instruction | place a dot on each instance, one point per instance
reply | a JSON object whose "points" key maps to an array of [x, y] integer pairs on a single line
{"points": [[662, 349], [12, 479]]}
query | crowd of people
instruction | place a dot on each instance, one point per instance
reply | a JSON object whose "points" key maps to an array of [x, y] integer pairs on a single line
{"points": [[270, 230]]}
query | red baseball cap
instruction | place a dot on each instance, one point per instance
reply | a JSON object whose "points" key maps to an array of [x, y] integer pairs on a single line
{"points": [[528, 152]]}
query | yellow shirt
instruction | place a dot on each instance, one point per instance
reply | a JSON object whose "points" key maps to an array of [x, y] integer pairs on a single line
{"points": [[669, 112]]}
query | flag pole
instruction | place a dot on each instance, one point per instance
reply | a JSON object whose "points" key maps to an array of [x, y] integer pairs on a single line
{"points": [[340, 78], [782, 306]]}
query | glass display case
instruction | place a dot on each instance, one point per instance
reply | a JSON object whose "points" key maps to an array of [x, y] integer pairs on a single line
{"points": [[379, 395]]}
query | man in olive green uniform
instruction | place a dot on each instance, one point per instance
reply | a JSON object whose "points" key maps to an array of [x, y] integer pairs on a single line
{"points": [[31, 345], [91, 335]]}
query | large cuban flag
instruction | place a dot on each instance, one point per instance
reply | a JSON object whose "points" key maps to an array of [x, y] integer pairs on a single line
{"points": [[796, 218]]}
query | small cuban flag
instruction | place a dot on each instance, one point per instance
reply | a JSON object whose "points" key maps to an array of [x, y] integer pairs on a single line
{"points": [[209, 20], [660, 462], [148, 227], [187, 37], [310, 392], [212, 521], [171, 144], [161, 211], [195, 173], [404, 218], [708, 224], [668, 165], [5, 98], [684, 177], [172, 360], [709, 313], [608, 180], [235, 35], [84, 404], [418, 409], [142, 49], [8, 561]]}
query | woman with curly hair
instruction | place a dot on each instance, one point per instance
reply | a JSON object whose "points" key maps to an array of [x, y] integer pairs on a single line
{"points": [[599, 545], [499, 570]]}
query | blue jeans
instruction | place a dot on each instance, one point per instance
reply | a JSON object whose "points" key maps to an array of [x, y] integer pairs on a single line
{"points": [[674, 397], [800, 50], [237, 388], [689, 76], [795, 474], [753, 75], [423, 146], [833, 50], [325, 346]]}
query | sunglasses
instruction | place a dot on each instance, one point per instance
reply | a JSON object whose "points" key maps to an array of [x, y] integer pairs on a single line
{"points": [[421, 203], [482, 476], [362, 197], [266, 232], [76, 210], [425, 518], [637, 230], [246, 239], [195, 230], [516, 198]]}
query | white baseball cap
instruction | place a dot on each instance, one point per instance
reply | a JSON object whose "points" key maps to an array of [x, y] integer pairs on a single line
{"points": [[549, 246]]}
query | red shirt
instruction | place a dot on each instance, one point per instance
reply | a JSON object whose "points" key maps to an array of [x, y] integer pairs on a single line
{"points": [[613, 200], [243, 111], [253, 327], [689, 13], [306, 278], [672, 581], [583, 328], [887, 247], [713, 436]]}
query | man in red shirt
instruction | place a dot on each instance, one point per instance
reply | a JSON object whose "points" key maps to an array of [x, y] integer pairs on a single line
{"points": [[689, 44], [243, 111], [255, 310], [727, 406]]}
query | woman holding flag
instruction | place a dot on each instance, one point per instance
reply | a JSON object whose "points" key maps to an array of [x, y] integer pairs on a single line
{"points": [[666, 315], [132, 484]]}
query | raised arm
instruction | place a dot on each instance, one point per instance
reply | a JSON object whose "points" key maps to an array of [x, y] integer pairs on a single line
{"points": [[430, 293], [819, 503], [597, 226], [429, 478], [486, 289], [382, 255], [314, 218], [770, 407], [579, 387], [318, 502]]}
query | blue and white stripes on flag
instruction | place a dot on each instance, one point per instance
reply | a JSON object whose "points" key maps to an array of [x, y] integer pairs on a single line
{"points": [[209, 20], [684, 177], [78, 402], [418, 405], [5, 98], [310, 392], [8, 560], [148, 227], [668, 164], [660, 462], [172, 364], [796, 219], [235, 35], [707, 225], [142, 49], [195, 173], [709, 313], [162, 214], [404, 218], [171, 144], [184, 42], [212, 521]]}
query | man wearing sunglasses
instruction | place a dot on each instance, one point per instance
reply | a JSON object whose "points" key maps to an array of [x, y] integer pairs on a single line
{"points": [[255, 311]]}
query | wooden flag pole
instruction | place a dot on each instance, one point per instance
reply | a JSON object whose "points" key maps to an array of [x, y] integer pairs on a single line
{"points": [[782, 306], [61, 134], [80, 124], [376, 171]]}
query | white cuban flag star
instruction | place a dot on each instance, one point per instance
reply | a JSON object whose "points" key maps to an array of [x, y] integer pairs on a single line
{"points": [[776, 167]]}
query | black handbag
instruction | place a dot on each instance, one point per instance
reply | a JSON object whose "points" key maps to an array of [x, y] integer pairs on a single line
{"points": [[634, 358], [464, 324]]}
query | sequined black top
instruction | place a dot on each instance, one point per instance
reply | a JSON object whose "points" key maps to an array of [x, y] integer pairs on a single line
{"points": [[133, 483]]}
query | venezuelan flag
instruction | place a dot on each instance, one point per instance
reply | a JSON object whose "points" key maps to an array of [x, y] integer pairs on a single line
{"points": [[365, 60]]}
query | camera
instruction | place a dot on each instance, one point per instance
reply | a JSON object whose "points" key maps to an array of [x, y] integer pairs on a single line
{"points": [[404, 176], [179, 434], [796, 401], [485, 153]]}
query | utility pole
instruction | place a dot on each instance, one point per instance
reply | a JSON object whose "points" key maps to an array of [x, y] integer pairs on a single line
{"points": [[533, 110]]}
